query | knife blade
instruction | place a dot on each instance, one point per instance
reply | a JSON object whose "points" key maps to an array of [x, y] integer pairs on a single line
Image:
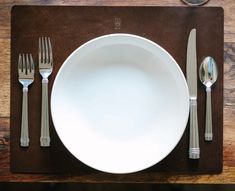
{"points": [[191, 75]]}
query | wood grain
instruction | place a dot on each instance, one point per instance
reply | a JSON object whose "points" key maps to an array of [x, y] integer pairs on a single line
{"points": [[228, 175], [5, 77]]}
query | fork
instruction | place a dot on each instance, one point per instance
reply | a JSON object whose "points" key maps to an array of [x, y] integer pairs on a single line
{"points": [[26, 77], [45, 60]]}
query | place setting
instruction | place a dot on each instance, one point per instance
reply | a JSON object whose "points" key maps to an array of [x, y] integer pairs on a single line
{"points": [[117, 90]]}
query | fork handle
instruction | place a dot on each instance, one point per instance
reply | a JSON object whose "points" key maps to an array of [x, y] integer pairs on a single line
{"points": [[194, 149], [45, 133], [24, 136]]}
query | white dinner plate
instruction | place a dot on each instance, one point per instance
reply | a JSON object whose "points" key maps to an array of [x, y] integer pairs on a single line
{"points": [[120, 103]]}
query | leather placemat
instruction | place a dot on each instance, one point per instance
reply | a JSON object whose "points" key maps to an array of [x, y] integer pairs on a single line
{"points": [[71, 26]]}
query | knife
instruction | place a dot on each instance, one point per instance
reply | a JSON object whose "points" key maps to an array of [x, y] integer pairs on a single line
{"points": [[191, 73]]}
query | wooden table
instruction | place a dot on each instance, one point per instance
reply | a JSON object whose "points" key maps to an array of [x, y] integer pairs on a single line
{"points": [[228, 175]]}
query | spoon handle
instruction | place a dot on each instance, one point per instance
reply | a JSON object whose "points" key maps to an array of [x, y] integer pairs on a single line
{"points": [[208, 125]]}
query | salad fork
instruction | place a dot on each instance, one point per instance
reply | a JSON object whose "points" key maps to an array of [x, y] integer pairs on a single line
{"points": [[45, 60], [26, 77]]}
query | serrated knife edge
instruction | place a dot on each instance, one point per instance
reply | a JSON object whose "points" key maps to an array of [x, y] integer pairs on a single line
{"points": [[191, 66]]}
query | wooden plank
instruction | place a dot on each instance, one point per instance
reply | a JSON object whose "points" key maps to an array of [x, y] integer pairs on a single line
{"points": [[229, 104], [5, 77], [5, 21]]}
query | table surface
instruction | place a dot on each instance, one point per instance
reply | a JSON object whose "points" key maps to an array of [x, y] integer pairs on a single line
{"points": [[228, 174]]}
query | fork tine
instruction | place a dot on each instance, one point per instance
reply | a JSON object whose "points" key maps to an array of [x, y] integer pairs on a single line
{"points": [[20, 64], [50, 51], [31, 64], [27, 64], [46, 50], [43, 50], [23, 64], [39, 50]]}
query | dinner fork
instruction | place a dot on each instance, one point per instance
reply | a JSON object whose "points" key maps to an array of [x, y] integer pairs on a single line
{"points": [[45, 60], [26, 77]]}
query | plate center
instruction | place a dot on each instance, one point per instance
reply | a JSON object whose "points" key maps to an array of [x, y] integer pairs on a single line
{"points": [[117, 101]]}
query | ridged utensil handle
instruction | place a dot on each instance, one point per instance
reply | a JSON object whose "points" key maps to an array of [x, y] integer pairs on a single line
{"points": [[45, 133], [194, 150], [24, 136], [208, 125]]}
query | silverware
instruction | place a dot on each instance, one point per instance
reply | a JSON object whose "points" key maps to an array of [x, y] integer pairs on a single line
{"points": [[26, 77], [191, 70], [208, 74], [195, 2], [45, 60]]}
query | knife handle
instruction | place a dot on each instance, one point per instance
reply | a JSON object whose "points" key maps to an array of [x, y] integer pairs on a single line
{"points": [[194, 150]]}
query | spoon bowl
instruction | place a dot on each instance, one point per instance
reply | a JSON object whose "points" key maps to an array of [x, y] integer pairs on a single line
{"points": [[208, 72]]}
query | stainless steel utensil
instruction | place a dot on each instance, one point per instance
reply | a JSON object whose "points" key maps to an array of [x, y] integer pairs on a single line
{"points": [[26, 77], [45, 60], [191, 70], [208, 74], [195, 2]]}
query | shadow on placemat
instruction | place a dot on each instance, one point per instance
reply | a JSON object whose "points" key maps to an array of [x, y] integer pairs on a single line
{"points": [[112, 187]]}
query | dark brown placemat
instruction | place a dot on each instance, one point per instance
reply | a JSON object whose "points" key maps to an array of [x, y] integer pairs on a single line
{"points": [[69, 27]]}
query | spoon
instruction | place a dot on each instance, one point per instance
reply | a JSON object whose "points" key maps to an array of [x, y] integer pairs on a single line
{"points": [[208, 74], [195, 2]]}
